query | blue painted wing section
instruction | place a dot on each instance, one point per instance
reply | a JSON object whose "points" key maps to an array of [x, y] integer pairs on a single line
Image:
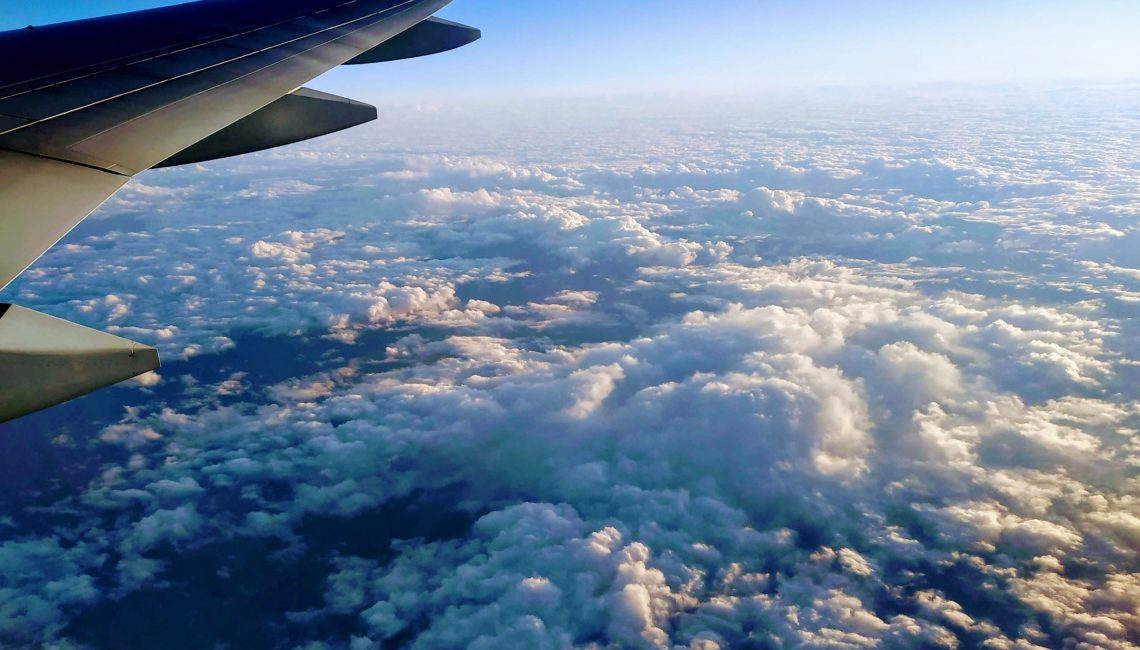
{"points": [[51, 51]]}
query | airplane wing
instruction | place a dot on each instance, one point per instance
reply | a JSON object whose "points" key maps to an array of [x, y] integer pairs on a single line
{"points": [[86, 105]]}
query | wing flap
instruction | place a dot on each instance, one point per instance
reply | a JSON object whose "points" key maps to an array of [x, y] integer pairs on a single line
{"points": [[41, 200], [431, 36], [301, 115], [47, 361]]}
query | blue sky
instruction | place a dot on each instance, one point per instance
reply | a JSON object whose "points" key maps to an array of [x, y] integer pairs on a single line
{"points": [[600, 46]]}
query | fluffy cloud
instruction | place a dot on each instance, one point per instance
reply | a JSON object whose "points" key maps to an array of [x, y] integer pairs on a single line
{"points": [[874, 389]]}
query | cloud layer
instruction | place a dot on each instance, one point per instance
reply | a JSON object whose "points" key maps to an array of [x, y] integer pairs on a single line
{"points": [[836, 377]]}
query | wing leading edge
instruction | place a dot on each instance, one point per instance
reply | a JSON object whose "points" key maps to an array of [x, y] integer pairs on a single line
{"points": [[168, 86]]}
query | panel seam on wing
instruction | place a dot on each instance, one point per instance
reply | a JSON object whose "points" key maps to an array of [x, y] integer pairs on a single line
{"points": [[165, 80]]}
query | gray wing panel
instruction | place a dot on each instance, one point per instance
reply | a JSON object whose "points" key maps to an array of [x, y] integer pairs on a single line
{"points": [[432, 36], [71, 142], [300, 115], [132, 117], [47, 361], [40, 201]]}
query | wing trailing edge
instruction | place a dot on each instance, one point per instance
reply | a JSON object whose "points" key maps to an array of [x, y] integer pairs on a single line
{"points": [[41, 200], [432, 36], [301, 115], [48, 361]]}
